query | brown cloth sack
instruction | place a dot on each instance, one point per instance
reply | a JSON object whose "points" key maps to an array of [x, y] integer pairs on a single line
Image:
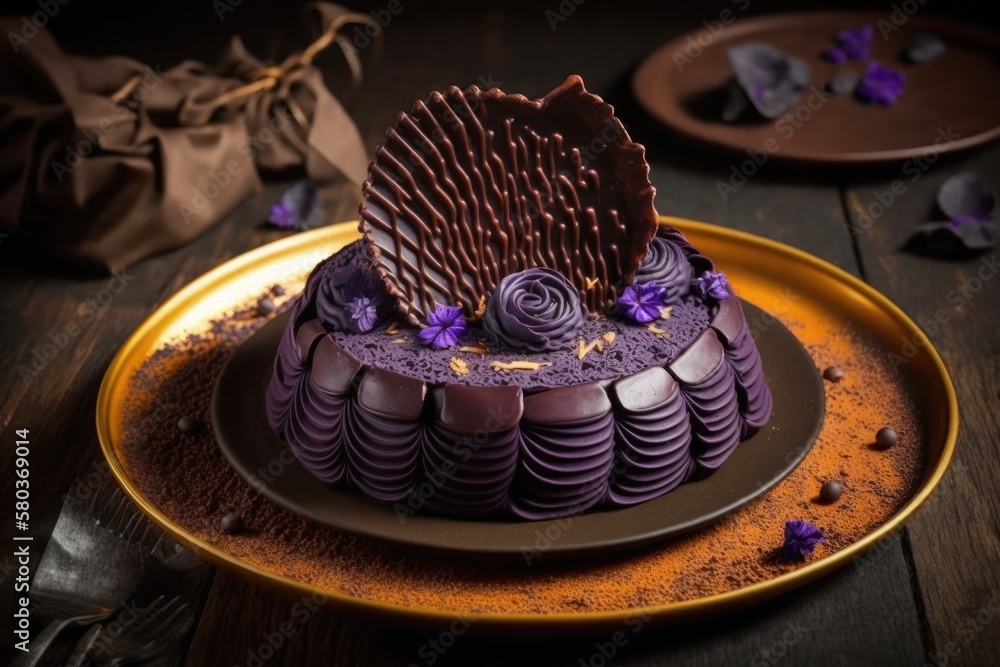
{"points": [[105, 161]]}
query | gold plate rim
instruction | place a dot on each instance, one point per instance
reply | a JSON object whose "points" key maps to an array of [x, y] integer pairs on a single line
{"points": [[118, 373]]}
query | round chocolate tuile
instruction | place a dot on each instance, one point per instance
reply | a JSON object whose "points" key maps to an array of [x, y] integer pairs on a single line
{"points": [[833, 374], [265, 307], [231, 524], [886, 437], [277, 290], [190, 426], [830, 492]]}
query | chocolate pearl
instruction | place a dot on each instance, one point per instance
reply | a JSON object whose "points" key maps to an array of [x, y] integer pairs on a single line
{"points": [[833, 374], [886, 437], [231, 524], [265, 307], [278, 290], [190, 426], [830, 492]]}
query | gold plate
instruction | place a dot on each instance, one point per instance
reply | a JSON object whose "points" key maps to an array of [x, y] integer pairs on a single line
{"points": [[760, 267]]}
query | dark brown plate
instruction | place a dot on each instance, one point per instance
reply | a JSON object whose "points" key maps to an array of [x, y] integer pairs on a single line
{"points": [[246, 440], [948, 103]]}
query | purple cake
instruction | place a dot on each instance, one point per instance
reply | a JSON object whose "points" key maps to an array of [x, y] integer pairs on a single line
{"points": [[514, 334]]}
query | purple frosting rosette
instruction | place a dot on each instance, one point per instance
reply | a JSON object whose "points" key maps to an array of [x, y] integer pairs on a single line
{"points": [[536, 310]]}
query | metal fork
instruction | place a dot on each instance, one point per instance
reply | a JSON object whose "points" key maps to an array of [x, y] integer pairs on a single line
{"points": [[90, 566], [154, 629]]}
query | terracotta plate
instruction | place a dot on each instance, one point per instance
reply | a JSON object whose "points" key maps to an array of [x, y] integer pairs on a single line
{"points": [[246, 440], [947, 104]]}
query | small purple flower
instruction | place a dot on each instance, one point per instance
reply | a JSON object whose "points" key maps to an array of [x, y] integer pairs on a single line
{"points": [[642, 302], [281, 216], [881, 85], [300, 207], [852, 44], [835, 54], [801, 538], [711, 285], [444, 326], [364, 312]]}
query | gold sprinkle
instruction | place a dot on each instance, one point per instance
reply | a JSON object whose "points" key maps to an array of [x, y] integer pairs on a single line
{"points": [[656, 330], [600, 345], [518, 365], [459, 366], [482, 307], [393, 329], [475, 349], [609, 336], [665, 312], [585, 350], [598, 317], [397, 341], [591, 282]]}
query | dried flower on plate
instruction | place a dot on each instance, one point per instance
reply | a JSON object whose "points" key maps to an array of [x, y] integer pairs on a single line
{"points": [[880, 85], [801, 538]]}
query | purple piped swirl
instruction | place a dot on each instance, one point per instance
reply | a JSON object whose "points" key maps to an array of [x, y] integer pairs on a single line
{"points": [[653, 451], [715, 416], [754, 395], [667, 266], [536, 310], [563, 469], [341, 280], [466, 474], [382, 454], [314, 430], [288, 369]]}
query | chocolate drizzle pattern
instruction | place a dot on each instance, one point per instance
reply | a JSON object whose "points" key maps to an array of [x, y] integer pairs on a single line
{"points": [[472, 186]]}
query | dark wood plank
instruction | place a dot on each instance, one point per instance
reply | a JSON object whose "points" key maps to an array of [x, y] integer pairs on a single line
{"points": [[955, 539]]}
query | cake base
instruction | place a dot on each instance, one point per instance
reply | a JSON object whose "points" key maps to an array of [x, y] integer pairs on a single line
{"points": [[255, 452]]}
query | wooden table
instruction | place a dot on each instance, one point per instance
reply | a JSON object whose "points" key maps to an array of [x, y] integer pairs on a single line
{"points": [[930, 595]]}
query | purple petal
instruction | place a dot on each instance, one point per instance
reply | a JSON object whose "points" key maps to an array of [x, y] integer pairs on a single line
{"points": [[281, 216], [773, 80], [429, 334], [965, 195], [836, 55], [881, 85], [923, 48]]}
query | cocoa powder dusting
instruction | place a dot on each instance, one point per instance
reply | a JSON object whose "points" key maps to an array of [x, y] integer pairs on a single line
{"points": [[187, 478]]}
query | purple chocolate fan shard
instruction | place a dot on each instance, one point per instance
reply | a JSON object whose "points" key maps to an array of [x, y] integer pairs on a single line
{"points": [[844, 83], [771, 80], [923, 48], [470, 187], [968, 205]]}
